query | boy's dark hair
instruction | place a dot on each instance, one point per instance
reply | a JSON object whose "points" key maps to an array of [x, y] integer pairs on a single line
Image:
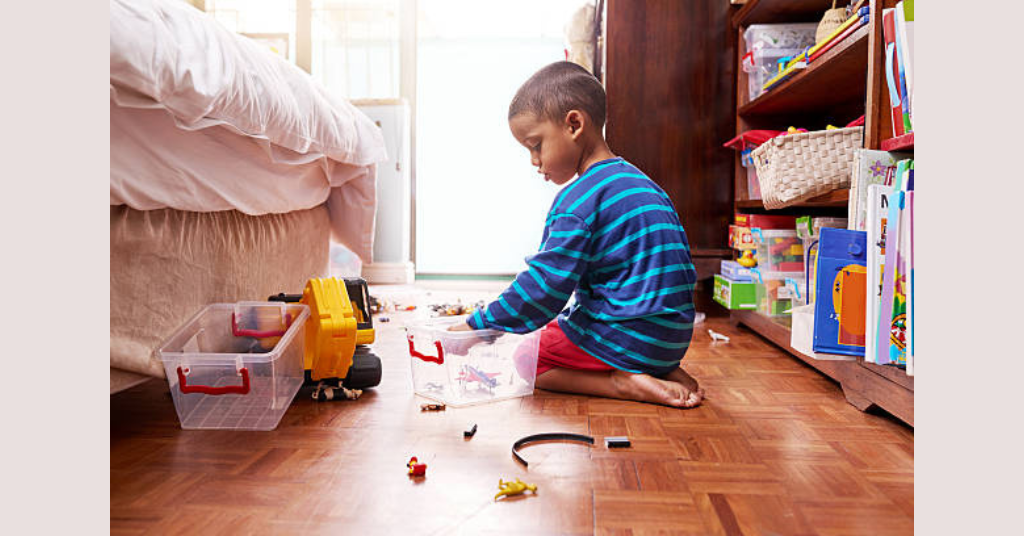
{"points": [[554, 90]]}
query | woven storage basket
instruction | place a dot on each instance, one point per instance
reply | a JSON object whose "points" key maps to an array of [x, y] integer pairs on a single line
{"points": [[797, 167]]}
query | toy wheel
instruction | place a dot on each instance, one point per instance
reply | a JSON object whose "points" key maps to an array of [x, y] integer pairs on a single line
{"points": [[365, 371]]}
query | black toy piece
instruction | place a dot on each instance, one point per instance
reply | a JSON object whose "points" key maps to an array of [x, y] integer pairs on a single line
{"points": [[469, 432], [616, 442], [556, 436]]}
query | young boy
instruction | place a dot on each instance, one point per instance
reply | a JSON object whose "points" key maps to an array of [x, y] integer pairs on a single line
{"points": [[612, 237]]}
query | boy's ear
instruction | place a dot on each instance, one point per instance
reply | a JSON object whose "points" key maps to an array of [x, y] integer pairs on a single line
{"points": [[575, 120]]}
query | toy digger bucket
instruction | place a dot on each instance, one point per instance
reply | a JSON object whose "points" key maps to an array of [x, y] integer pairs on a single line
{"points": [[331, 334]]}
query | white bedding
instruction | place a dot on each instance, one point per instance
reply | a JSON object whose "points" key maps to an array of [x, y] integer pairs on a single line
{"points": [[205, 120]]}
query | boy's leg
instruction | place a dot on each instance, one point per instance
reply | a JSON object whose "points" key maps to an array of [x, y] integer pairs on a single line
{"points": [[563, 366], [676, 391]]}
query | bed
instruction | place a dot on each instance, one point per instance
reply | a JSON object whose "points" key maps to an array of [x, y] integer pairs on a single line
{"points": [[231, 171]]}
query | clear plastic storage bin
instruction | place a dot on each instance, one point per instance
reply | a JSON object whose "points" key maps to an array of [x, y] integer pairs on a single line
{"points": [[778, 250], [499, 366], [236, 366], [766, 44], [773, 296]]}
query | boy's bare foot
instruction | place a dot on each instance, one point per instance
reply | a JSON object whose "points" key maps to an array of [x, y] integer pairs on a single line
{"points": [[670, 392], [690, 384]]}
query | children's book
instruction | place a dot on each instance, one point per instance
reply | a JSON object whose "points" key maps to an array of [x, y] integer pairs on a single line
{"points": [[892, 72], [870, 167], [891, 318], [839, 307], [901, 64], [878, 195], [909, 237], [905, 31]]}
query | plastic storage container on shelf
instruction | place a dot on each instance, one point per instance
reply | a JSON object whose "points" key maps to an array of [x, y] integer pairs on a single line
{"points": [[461, 368], [236, 366], [773, 297], [808, 229], [766, 44], [778, 250]]}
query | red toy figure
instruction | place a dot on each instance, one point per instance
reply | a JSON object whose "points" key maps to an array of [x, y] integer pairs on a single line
{"points": [[416, 468]]}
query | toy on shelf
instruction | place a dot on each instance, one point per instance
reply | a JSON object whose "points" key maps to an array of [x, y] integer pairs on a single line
{"points": [[747, 259], [508, 489], [416, 468]]}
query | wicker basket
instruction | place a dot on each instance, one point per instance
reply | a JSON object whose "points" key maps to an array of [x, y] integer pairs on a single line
{"points": [[797, 167], [832, 19]]}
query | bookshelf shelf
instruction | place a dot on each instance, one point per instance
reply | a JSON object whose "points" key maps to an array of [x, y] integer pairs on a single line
{"points": [[846, 81], [761, 11], [836, 78], [833, 199], [901, 143], [864, 384]]}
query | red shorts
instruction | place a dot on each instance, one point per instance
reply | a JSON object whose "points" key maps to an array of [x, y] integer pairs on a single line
{"points": [[557, 351]]}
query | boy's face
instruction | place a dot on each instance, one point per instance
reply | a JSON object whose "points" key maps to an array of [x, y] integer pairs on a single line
{"points": [[553, 146]]}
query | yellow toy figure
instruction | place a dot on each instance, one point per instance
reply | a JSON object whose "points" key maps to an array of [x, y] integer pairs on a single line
{"points": [[747, 260], [513, 488]]}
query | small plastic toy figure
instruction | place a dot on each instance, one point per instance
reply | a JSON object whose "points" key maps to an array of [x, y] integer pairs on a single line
{"points": [[513, 488], [431, 407], [747, 260], [416, 468]]}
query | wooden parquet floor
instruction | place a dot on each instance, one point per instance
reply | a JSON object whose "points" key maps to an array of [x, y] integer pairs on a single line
{"points": [[775, 449]]}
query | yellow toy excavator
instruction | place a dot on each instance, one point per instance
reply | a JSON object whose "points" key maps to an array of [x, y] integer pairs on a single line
{"points": [[338, 332]]}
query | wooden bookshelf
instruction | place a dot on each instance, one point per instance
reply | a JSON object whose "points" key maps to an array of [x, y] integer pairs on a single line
{"points": [[835, 78], [842, 84]]}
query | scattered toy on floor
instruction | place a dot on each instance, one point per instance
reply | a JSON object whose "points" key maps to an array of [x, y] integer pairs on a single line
{"points": [[469, 432], [616, 442], [324, 392], [716, 336], [383, 319], [456, 309], [513, 488], [416, 468], [556, 436], [432, 407], [405, 307]]}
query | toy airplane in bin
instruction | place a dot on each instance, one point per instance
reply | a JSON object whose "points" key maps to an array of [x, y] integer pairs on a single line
{"points": [[470, 373]]}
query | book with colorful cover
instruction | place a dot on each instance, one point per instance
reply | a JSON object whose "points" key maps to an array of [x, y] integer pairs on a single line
{"points": [[892, 72], [905, 29], [891, 320], [878, 196], [910, 288], [870, 167], [902, 67]]}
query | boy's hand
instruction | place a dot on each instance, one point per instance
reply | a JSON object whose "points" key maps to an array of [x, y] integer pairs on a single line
{"points": [[461, 345]]}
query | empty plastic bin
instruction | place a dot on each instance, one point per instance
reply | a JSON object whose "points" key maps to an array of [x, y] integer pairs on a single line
{"points": [[236, 366], [498, 366]]}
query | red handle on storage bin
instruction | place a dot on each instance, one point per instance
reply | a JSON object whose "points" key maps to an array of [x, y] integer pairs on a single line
{"points": [[437, 344], [207, 390], [238, 332]]}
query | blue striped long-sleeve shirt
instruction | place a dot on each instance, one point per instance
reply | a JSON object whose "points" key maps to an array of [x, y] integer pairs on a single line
{"points": [[613, 238]]}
